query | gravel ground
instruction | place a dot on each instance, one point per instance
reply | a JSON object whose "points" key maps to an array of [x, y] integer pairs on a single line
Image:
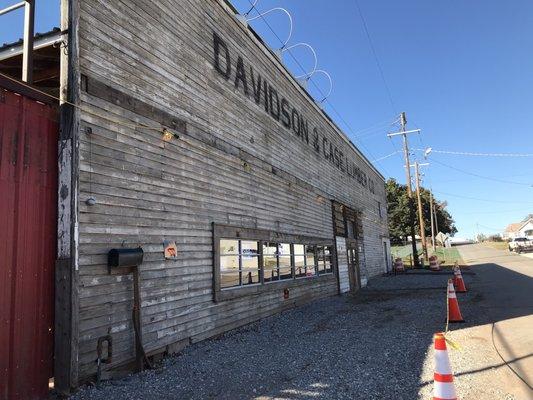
{"points": [[375, 345]]}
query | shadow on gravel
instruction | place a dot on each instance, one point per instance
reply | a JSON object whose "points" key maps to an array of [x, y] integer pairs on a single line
{"points": [[369, 346]]}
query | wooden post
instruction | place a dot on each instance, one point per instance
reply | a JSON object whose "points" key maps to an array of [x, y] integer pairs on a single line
{"points": [[139, 352], [66, 333], [432, 221], [420, 212], [27, 47], [403, 121]]}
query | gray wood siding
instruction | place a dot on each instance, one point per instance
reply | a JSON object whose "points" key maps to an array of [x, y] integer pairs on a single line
{"points": [[234, 165]]}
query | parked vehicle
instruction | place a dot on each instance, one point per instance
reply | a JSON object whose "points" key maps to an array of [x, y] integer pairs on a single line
{"points": [[520, 244]]}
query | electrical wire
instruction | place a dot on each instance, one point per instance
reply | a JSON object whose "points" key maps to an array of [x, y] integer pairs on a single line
{"points": [[467, 153], [504, 360], [480, 199], [494, 212], [387, 156], [492, 229], [376, 59], [482, 176], [376, 131], [377, 126]]}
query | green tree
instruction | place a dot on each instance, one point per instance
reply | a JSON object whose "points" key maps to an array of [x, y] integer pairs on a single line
{"points": [[398, 212]]}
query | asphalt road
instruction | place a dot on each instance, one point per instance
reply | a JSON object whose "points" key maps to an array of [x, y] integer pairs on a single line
{"points": [[505, 280]]}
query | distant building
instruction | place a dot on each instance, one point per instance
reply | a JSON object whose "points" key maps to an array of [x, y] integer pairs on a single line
{"points": [[519, 229]]}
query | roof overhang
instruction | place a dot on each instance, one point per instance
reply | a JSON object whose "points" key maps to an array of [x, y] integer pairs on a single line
{"points": [[13, 50]]}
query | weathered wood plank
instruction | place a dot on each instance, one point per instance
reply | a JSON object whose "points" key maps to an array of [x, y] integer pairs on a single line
{"points": [[233, 164]]}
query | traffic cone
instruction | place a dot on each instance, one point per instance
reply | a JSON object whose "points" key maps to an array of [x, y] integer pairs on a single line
{"points": [[454, 269], [454, 313], [398, 265], [459, 282], [434, 263], [443, 386]]}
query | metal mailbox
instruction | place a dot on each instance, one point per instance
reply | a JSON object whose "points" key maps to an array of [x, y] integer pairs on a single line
{"points": [[125, 257]]}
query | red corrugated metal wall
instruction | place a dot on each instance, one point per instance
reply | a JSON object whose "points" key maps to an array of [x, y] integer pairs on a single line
{"points": [[28, 209]]}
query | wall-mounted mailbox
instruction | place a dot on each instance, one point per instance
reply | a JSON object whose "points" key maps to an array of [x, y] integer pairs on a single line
{"points": [[125, 257], [132, 258]]}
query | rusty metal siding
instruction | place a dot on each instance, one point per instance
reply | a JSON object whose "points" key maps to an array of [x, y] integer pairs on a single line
{"points": [[28, 198]]}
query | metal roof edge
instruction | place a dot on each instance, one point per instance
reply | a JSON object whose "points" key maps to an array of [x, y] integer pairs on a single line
{"points": [[41, 40]]}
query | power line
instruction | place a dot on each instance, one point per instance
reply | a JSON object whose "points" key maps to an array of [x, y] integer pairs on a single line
{"points": [[252, 4], [371, 128], [376, 59], [396, 149], [494, 212], [387, 156], [482, 176], [487, 200], [492, 229], [466, 153]]}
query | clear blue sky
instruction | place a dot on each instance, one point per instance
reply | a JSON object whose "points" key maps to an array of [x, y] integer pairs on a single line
{"points": [[462, 70]]}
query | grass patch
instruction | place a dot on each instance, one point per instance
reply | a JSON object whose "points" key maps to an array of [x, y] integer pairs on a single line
{"points": [[405, 253], [401, 251], [447, 255], [497, 245]]}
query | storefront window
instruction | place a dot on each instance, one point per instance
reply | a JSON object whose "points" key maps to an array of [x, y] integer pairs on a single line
{"points": [[310, 260], [239, 263], [284, 261], [245, 262], [324, 260], [328, 265], [299, 261], [270, 262]]}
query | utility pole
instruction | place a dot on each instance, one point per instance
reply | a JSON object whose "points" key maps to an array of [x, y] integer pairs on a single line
{"points": [[436, 220], [432, 220], [420, 210], [403, 133]]}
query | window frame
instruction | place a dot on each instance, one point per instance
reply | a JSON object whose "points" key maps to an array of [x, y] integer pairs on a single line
{"points": [[240, 270], [229, 232]]}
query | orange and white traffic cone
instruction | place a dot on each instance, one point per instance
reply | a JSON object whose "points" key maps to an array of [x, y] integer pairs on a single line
{"points": [[454, 269], [434, 264], [454, 313], [458, 281], [398, 265], [443, 386]]}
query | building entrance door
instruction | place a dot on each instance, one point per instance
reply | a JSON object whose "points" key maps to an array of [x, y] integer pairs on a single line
{"points": [[353, 266]]}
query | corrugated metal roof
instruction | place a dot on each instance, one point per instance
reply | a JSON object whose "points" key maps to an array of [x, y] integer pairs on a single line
{"points": [[41, 40], [38, 35]]}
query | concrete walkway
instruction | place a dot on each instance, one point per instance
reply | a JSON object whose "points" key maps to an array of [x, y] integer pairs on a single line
{"points": [[506, 284]]}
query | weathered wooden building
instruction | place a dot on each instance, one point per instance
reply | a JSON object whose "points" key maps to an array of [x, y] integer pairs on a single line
{"points": [[183, 134]]}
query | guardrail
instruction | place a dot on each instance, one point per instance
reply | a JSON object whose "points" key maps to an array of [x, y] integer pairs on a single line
{"points": [[29, 28]]}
